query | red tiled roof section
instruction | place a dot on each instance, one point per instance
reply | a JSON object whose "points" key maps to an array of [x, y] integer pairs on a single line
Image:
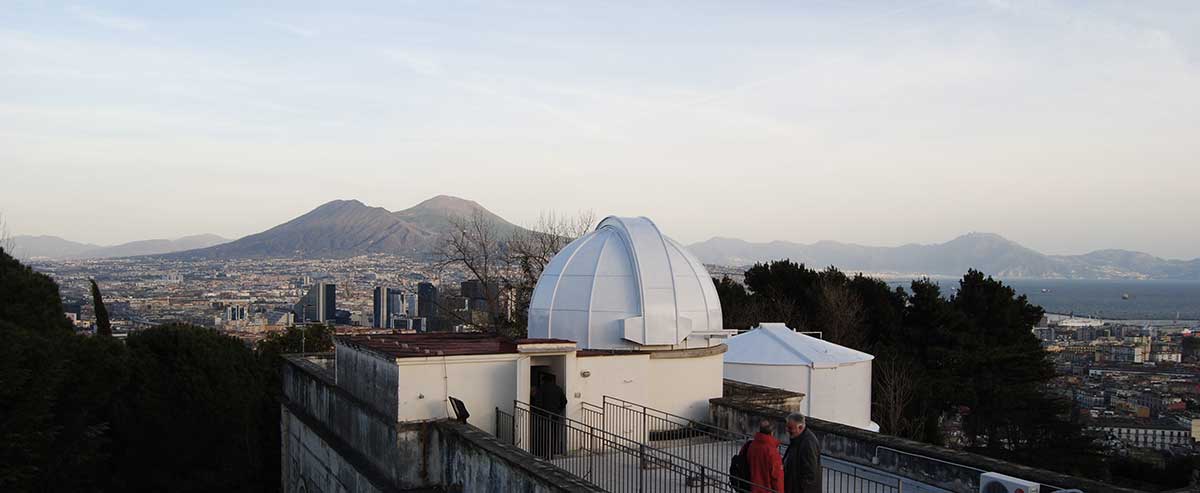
{"points": [[432, 344]]}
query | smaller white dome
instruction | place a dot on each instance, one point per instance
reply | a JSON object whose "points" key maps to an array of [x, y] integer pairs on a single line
{"points": [[776, 344], [624, 286]]}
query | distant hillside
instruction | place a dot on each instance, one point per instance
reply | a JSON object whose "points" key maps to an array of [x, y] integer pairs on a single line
{"points": [[59, 248], [25, 246], [987, 252], [345, 228]]}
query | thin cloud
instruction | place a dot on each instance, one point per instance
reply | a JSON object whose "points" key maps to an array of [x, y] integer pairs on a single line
{"points": [[301, 31], [104, 19]]}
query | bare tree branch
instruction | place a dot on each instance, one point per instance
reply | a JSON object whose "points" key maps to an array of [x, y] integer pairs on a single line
{"points": [[840, 315], [895, 380]]}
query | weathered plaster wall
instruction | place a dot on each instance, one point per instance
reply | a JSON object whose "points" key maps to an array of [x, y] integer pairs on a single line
{"points": [[369, 376], [334, 442]]}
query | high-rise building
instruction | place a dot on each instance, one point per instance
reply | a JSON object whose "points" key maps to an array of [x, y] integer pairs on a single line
{"points": [[412, 305], [427, 295], [389, 306], [319, 305]]}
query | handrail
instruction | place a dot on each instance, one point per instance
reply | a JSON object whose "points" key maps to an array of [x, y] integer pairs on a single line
{"points": [[708, 429], [646, 453]]}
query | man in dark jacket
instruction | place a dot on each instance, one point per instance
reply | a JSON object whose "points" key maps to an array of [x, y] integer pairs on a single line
{"points": [[762, 455], [802, 461]]}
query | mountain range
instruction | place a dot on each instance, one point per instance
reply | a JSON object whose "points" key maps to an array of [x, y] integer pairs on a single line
{"points": [[54, 247], [345, 228], [987, 252]]}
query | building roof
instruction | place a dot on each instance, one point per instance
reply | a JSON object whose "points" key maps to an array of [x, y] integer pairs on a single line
{"points": [[439, 344], [623, 286], [776, 344]]}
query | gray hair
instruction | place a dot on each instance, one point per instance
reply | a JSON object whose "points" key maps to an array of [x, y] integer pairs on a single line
{"points": [[796, 418]]}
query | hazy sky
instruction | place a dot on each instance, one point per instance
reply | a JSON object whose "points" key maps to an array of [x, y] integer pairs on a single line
{"points": [[1066, 126]]}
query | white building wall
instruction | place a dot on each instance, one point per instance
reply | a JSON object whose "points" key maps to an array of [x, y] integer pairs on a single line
{"points": [[683, 386], [621, 376], [840, 394], [481, 382]]}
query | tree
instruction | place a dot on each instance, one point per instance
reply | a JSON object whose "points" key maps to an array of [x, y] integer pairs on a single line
{"points": [[196, 415], [56, 390], [839, 312], [476, 244], [310, 338], [529, 250], [103, 326], [30, 299], [508, 266], [896, 383]]}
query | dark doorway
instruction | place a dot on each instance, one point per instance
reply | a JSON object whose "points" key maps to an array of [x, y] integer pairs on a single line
{"points": [[549, 403]]}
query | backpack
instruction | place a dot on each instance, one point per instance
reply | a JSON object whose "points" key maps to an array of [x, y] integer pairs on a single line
{"points": [[739, 470]]}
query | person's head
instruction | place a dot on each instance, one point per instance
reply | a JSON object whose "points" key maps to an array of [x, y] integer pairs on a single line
{"points": [[766, 427], [795, 424]]}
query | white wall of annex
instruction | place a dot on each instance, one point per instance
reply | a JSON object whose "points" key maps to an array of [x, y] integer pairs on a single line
{"points": [[481, 382], [683, 386]]}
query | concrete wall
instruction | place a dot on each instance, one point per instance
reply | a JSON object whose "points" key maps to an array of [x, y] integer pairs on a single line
{"points": [[310, 464], [475, 461], [334, 442], [368, 376], [364, 437]]}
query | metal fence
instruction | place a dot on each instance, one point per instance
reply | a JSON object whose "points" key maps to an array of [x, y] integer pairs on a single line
{"points": [[713, 446], [698, 442], [608, 460]]}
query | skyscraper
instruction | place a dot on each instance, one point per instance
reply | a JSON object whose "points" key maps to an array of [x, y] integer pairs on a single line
{"points": [[389, 305], [427, 295], [318, 305]]}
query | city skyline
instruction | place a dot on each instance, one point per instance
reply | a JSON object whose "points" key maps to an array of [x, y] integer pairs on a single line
{"points": [[1065, 128]]}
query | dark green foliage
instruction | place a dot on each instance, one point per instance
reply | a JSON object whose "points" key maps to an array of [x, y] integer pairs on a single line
{"points": [[311, 338], [103, 325], [972, 353], [175, 408], [1178, 472], [29, 299], [194, 415], [56, 390]]}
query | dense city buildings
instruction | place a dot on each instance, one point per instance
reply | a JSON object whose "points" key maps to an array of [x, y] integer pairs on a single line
{"points": [[248, 298], [1134, 386]]}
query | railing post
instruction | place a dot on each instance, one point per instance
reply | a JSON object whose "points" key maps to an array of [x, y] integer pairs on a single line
{"points": [[642, 467]]}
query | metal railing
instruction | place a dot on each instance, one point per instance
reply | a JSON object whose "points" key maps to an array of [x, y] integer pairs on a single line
{"points": [[608, 460], [713, 446], [698, 442]]}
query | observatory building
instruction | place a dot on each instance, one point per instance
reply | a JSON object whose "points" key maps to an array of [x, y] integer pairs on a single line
{"points": [[835, 380]]}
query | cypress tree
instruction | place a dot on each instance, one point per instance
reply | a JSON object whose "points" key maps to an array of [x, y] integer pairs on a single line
{"points": [[103, 326]]}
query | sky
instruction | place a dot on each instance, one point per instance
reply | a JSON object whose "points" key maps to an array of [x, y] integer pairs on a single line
{"points": [[1065, 126]]}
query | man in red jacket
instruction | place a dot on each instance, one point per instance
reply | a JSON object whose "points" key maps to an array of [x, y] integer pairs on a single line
{"points": [[762, 455]]}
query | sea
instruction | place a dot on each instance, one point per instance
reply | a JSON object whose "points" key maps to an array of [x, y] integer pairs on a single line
{"points": [[1130, 300]]}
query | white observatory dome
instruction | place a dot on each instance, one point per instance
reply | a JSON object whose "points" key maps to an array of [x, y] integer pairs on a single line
{"points": [[624, 286]]}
